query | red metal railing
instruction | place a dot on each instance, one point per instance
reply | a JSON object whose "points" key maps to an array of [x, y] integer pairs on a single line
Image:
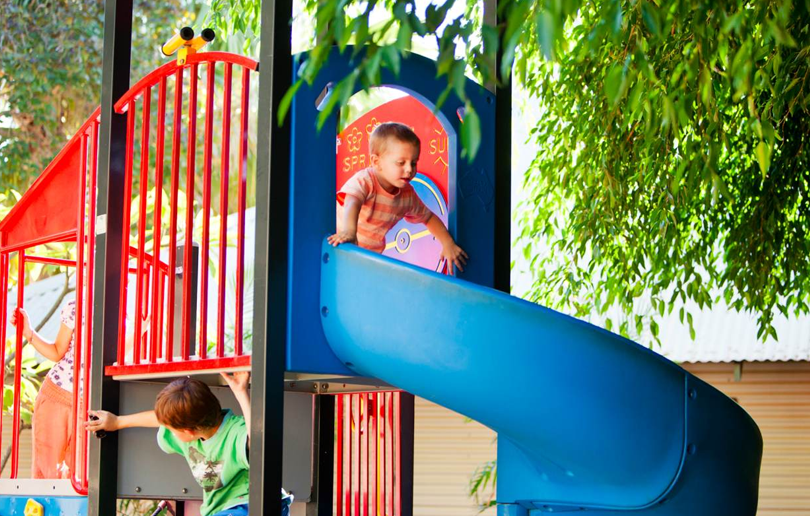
{"points": [[85, 140], [153, 346], [368, 458], [169, 302]]}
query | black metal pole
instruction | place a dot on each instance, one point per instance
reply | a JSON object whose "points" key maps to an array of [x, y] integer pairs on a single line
{"points": [[407, 413], [322, 495], [103, 465], [272, 264], [503, 163]]}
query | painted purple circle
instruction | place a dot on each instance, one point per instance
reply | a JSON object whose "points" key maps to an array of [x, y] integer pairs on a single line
{"points": [[413, 243]]}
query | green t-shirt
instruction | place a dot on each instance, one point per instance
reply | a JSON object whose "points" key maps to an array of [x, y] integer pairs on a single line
{"points": [[219, 464]]}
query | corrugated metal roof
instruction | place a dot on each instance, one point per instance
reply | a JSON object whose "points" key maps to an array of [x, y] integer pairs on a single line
{"points": [[724, 335], [721, 333]]}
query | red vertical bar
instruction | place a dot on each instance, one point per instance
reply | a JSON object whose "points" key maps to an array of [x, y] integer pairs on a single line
{"points": [[3, 314], [144, 179], [157, 301], [174, 189], [223, 208], [372, 452], [187, 249], [77, 333], [389, 455], [147, 302], [397, 424], [364, 417], [161, 304], [202, 349], [356, 453], [347, 456], [15, 431], [381, 454], [90, 263], [122, 310], [241, 193], [339, 455]]}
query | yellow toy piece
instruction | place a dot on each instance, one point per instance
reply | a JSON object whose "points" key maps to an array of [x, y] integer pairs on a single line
{"points": [[185, 44], [34, 508]]}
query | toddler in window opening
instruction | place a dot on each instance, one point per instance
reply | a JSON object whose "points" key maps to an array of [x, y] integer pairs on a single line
{"points": [[373, 200]]}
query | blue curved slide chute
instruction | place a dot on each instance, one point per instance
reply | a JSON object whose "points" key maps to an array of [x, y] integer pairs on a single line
{"points": [[586, 420]]}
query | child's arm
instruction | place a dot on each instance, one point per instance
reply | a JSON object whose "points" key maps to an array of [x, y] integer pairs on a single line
{"points": [[238, 382], [450, 250], [351, 212], [53, 351], [110, 422]]}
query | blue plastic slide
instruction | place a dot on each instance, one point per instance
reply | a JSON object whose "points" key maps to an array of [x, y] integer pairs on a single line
{"points": [[586, 420]]}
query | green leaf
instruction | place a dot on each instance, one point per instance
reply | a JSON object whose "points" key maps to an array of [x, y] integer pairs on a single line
{"points": [[285, 103], [763, 155], [615, 16], [459, 79], [780, 34], [706, 93], [470, 133], [392, 59], [649, 12], [546, 30], [435, 16], [404, 36], [615, 84]]}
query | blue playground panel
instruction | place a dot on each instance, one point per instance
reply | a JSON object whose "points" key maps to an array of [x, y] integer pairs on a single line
{"points": [[586, 420], [54, 506], [312, 190]]}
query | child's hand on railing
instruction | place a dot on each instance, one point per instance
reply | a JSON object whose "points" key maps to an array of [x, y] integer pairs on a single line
{"points": [[342, 237], [26, 324], [238, 381], [454, 255], [100, 421]]}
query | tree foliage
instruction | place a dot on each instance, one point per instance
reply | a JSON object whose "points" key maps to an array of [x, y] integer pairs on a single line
{"points": [[49, 77], [671, 165], [50, 73], [671, 160]]}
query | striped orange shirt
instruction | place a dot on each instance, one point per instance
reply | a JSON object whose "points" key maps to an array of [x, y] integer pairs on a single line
{"points": [[381, 210]]}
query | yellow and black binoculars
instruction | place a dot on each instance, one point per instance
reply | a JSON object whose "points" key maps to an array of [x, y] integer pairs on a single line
{"points": [[185, 44]]}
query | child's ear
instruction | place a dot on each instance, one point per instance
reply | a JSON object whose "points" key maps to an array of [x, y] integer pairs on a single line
{"points": [[374, 159]]}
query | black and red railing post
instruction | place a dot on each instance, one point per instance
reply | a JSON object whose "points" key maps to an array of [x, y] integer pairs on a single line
{"points": [[103, 463]]}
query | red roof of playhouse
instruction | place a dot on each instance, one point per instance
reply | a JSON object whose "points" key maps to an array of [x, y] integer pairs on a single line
{"points": [[48, 211]]}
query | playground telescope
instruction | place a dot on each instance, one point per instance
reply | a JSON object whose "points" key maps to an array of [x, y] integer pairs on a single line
{"points": [[186, 43]]}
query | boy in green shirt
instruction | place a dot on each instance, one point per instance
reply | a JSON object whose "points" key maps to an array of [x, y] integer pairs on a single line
{"points": [[215, 442]]}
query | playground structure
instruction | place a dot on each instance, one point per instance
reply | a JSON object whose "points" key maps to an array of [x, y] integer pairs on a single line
{"points": [[587, 421]]}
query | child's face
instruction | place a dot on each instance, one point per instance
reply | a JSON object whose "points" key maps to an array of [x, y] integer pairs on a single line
{"points": [[396, 165]]}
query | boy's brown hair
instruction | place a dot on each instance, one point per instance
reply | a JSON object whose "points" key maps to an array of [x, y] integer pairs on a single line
{"points": [[187, 404], [383, 133]]}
